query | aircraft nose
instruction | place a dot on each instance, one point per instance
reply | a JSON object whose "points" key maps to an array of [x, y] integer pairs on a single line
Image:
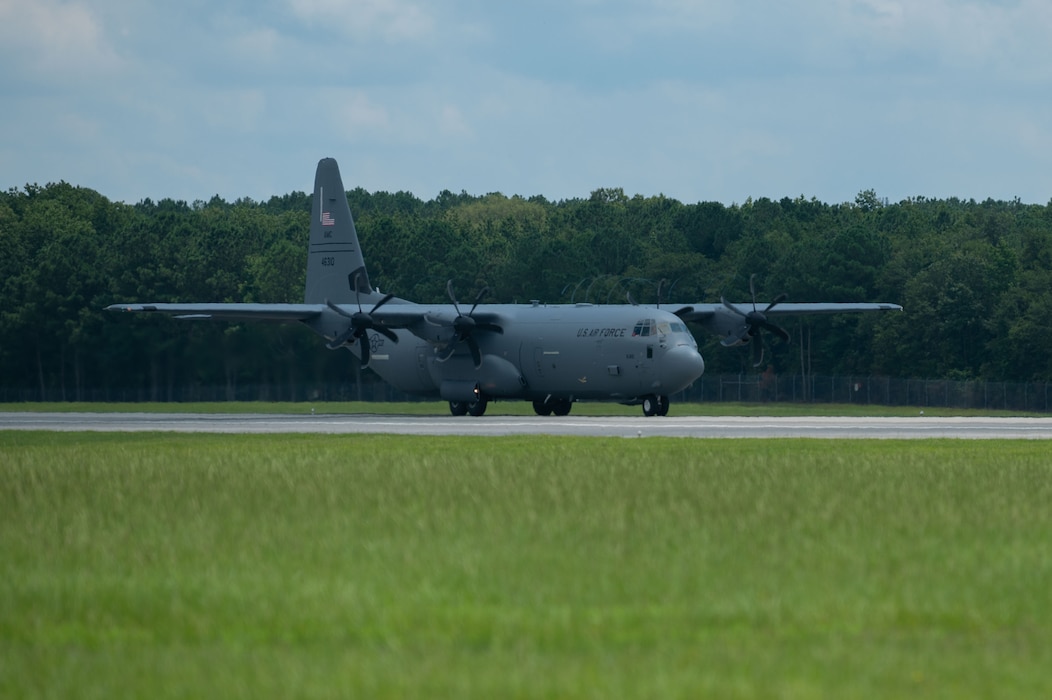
{"points": [[679, 368]]}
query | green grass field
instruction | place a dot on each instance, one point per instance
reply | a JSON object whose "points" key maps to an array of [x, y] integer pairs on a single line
{"points": [[309, 566]]}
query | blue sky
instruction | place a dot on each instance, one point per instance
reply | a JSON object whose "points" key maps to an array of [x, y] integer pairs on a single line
{"points": [[706, 100]]}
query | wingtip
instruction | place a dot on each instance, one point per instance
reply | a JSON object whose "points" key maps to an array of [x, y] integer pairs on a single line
{"points": [[130, 308]]}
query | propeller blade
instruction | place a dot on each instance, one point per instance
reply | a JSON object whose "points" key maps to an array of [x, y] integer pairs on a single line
{"points": [[478, 297], [777, 300], [452, 296], [476, 354], [777, 330], [757, 351], [387, 298], [387, 333], [338, 310], [490, 327], [733, 308], [752, 289], [342, 338], [363, 346], [357, 294], [448, 353]]}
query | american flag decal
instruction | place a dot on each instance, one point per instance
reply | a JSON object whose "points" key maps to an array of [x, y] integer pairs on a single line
{"points": [[326, 219]]}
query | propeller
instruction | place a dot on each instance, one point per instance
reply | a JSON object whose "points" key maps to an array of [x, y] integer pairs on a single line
{"points": [[361, 322], [756, 322], [465, 326]]}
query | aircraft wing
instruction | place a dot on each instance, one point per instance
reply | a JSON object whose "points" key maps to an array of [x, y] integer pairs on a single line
{"points": [[700, 313], [228, 312], [742, 324], [432, 323], [398, 315], [788, 309]]}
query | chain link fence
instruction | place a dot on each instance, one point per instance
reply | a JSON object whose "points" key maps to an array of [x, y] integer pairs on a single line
{"points": [[745, 388], [883, 391]]}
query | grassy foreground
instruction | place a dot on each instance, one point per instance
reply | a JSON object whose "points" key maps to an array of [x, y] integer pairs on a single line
{"points": [[368, 566]]}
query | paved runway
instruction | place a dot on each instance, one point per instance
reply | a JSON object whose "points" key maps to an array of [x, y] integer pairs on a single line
{"points": [[619, 426]]}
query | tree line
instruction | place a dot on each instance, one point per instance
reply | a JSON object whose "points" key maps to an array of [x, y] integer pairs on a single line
{"points": [[975, 278]]}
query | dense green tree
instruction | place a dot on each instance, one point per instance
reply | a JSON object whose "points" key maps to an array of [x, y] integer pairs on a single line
{"points": [[975, 278]]}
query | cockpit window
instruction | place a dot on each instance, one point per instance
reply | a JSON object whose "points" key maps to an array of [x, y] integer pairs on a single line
{"points": [[646, 327]]}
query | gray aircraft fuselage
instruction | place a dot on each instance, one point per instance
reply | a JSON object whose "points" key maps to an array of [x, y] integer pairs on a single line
{"points": [[572, 352]]}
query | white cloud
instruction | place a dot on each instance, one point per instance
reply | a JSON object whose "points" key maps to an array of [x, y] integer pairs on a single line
{"points": [[355, 114], [1006, 39], [392, 20], [234, 110], [706, 99], [55, 41], [261, 45], [452, 123]]}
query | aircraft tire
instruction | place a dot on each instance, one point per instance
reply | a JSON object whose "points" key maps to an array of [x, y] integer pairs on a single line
{"points": [[650, 406], [477, 408], [458, 408], [662, 406], [542, 407], [561, 407]]}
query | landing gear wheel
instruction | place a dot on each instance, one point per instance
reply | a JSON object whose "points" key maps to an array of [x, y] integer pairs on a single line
{"points": [[561, 407], [651, 406], [546, 407], [662, 406], [542, 407], [478, 407], [458, 408]]}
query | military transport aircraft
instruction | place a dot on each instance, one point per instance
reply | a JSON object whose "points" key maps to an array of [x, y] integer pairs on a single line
{"points": [[551, 355]]}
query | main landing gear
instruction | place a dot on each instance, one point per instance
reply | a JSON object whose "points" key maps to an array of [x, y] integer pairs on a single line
{"points": [[463, 408], [655, 405], [546, 407]]}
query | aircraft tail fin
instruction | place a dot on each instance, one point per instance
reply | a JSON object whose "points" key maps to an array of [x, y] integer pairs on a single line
{"points": [[334, 260]]}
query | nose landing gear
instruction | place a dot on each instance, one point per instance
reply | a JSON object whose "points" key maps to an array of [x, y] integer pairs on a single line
{"points": [[655, 405]]}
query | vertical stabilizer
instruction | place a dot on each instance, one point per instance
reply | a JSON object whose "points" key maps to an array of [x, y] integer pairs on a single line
{"points": [[334, 259]]}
